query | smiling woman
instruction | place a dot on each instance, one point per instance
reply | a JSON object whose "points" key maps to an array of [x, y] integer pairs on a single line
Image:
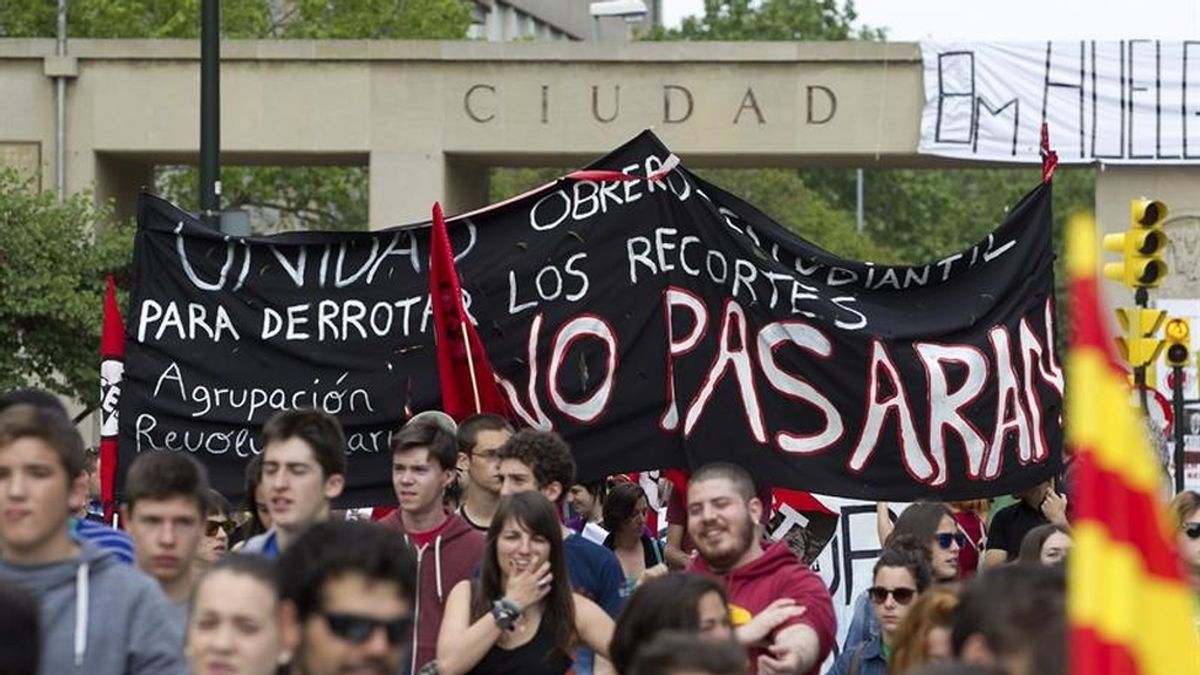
{"points": [[520, 614]]}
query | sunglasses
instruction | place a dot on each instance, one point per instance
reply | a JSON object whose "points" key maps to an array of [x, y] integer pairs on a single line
{"points": [[903, 596], [1192, 530], [359, 629], [945, 540], [212, 527]]}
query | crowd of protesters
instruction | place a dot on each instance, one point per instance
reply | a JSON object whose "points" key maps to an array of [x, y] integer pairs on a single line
{"points": [[476, 568]]}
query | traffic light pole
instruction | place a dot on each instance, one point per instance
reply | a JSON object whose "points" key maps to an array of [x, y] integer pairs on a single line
{"points": [[1177, 427], [1142, 299]]}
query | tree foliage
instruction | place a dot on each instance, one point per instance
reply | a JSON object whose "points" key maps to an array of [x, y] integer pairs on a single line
{"points": [[53, 261], [771, 20], [244, 19]]}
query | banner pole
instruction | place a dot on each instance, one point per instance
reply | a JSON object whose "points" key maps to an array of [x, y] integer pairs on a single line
{"points": [[470, 365]]}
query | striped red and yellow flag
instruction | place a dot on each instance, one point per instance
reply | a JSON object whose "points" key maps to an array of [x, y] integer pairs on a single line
{"points": [[1129, 607]]}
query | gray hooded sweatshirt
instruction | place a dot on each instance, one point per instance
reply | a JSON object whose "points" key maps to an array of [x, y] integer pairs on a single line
{"points": [[101, 617]]}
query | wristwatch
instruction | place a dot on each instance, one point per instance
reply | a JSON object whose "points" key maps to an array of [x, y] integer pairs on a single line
{"points": [[505, 612]]}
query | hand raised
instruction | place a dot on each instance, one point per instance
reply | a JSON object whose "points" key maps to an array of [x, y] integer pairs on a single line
{"points": [[530, 586]]}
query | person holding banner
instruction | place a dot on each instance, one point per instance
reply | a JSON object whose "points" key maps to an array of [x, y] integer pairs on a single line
{"points": [[304, 468]]}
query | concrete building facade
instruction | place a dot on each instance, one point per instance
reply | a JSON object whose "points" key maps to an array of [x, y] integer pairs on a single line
{"points": [[430, 118]]}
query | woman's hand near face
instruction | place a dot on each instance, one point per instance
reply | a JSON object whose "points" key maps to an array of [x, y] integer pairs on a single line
{"points": [[530, 586]]}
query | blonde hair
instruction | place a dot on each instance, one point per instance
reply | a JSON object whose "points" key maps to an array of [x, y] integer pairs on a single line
{"points": [[1184, 505], [933, 609]]}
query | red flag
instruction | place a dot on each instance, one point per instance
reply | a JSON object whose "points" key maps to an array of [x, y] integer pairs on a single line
{"points": [[468, 383], [112, 369]]}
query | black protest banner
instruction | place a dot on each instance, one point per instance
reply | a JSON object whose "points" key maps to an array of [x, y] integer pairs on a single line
{"points": [[654, 323]]}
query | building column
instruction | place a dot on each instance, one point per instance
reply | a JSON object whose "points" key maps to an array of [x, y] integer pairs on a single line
{"points": [[404, 186]]}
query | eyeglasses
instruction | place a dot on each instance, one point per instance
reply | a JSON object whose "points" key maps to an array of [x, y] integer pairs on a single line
{"points": [[359, 629], [1192, 530], [945, 540], [212, 527], [487, 455], [903, 596]]}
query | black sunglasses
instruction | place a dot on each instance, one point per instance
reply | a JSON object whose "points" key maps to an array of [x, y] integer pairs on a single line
{"points": [[944, 540], [903, 596], [359, 629], [1192, 530], [211, 527]]}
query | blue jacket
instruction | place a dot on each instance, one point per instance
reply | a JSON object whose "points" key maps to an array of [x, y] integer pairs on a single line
{"points": [[866, 658]]}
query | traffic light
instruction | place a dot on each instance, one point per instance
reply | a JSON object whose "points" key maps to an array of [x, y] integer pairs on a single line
{"points": [[1178, 343], [1142, 346], [1141, 246]]}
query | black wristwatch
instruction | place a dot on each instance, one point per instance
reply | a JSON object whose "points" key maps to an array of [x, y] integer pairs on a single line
{"points": [[506, 613]]}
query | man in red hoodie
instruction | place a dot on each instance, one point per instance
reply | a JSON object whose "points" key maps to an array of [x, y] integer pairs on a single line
{"points": [[766, 586], [424, 455]]}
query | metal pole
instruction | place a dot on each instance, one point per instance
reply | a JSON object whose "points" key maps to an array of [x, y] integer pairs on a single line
{"points": [[1141, 298], [858, 202], [1177, 413], [60, 108], [210, 113]]}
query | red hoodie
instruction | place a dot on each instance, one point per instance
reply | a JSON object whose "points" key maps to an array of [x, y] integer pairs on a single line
{"points": [[450, 558], [778, 573]]}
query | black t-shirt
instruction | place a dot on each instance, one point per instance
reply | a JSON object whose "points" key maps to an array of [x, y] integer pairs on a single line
{"points": [[1010, 525]]}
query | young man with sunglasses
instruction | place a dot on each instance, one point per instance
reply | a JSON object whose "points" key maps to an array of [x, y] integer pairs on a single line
{"points": [[762, 582], [166, 501], [347, 591], [479, 440]]}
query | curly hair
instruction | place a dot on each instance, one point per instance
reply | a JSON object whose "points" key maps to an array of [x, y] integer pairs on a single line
{"points": [[546, 454]]}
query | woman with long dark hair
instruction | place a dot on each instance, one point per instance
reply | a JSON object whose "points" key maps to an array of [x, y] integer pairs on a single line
{"points": [[520, 615]]}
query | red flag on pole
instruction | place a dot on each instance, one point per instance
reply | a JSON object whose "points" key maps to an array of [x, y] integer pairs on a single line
{"points": [[112, 369], [468, 383]]}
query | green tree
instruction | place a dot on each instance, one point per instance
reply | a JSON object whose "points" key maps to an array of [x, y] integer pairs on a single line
{"points": [[53, 261], [278, 197], [771, 20]]}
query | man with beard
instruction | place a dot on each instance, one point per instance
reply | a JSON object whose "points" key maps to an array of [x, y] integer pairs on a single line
{"points": [[346, 594], [722, 512]]}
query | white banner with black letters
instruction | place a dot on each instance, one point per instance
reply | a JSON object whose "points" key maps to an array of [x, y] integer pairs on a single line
{"points": [[1119, 101]]}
